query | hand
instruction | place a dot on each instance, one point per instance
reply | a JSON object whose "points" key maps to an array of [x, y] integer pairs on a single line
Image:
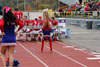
{"points": [[2, 33], [16, 33]]}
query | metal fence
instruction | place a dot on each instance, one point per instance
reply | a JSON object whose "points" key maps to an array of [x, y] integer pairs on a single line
{"points": [[78, 14], [73, 14]]}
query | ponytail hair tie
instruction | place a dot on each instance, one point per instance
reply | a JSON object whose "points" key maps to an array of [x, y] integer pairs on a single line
{"points": [[7, 9]]}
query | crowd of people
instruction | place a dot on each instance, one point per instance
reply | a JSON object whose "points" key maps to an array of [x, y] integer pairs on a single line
{"points": [[86, 6]]}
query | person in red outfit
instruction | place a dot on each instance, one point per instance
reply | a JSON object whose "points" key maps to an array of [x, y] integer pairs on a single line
{"points": [[18, 14], [22, 32], [40, 20], [7, 26], [28, 36], [36, 31], [53, 21], [30, 31], [54, 24]]}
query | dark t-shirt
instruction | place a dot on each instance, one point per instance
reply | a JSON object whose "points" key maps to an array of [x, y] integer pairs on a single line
{"points": [[95, 7]]}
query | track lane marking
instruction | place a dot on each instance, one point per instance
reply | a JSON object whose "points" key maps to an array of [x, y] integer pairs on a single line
{"points": [[84, 51], [65, 56], [33, 55]]}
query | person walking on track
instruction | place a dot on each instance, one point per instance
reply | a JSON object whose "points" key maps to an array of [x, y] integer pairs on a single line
{"points": [[7, 26]]}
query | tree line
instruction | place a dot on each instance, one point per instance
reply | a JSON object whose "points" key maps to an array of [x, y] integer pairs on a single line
{"points": [[30, 5]]}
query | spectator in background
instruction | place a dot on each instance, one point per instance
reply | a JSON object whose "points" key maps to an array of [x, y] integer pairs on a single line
{"points": [[60, 10], [50, 10], [82, 8], [69, 9], [95, 6], [77, 5], [79, 8], [99, 3]]}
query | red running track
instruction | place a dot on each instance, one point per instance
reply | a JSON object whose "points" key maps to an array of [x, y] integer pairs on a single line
{"points": [[63, 55]]}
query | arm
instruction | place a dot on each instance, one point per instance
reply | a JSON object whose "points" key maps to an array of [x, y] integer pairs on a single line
{"points": [[2, 25], [20, 23]]}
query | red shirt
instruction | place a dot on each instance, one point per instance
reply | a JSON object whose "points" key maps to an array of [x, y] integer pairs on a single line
{"points": [[36, 23], [32, 21], [41, 22], [18, 14], [28, 22], [87, 8]]}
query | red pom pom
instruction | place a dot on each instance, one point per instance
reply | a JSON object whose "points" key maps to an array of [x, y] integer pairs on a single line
{"points": [[55, 22]]}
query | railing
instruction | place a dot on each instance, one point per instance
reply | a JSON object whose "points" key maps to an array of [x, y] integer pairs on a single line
{"points": [[73, 14], [76, 14]]}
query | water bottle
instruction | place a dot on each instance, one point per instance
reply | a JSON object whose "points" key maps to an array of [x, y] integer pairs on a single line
{"points": [[68, 33]]}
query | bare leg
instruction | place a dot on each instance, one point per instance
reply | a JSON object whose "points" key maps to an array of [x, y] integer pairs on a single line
{"points": [[10, 52], [3, 55]]}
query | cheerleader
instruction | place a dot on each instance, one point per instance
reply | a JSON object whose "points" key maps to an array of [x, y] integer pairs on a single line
{"points": [[7, 26], [47, 29]]}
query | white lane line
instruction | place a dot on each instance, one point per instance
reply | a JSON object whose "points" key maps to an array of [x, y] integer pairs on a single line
{"points": [[66, 56], [33, 55], [94, 58], [68, 46], [97, 57], [95, 53], [84, 51]]}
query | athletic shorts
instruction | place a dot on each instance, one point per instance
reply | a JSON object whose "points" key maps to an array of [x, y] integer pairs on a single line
{"points": [[47, 32]]}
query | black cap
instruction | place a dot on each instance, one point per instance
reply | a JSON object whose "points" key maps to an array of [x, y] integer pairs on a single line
{"points": [[16, 9]]}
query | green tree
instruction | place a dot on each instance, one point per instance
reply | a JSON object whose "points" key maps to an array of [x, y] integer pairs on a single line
{"points": [[32, 3]]}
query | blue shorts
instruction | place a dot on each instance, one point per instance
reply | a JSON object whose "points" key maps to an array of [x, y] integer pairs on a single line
{"points": [[47, 32]]}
